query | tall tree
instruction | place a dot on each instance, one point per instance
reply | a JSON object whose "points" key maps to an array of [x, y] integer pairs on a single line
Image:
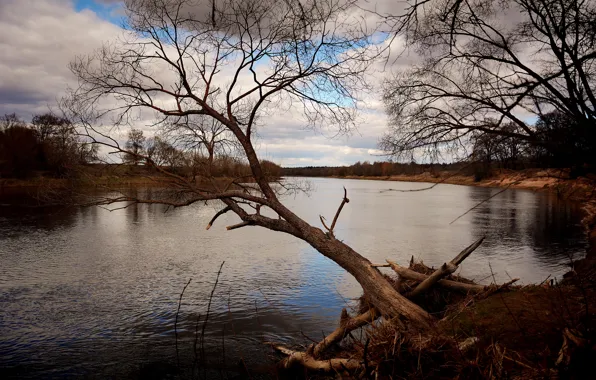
{"points": [[135, 146], [233, 62], [489, 65], [49, 125]]}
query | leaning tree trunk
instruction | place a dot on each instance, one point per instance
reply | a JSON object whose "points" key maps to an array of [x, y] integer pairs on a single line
{"points": [[377, 289]]}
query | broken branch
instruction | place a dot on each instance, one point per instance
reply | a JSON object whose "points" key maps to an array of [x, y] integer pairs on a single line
{"points": [[341, 206], [467, 251], [307, 361], [344, 328], [239, 225], [445, 270], [217, 215], [453, 285]]}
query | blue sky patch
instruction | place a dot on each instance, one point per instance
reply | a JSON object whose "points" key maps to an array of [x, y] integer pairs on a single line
{"points": [[106, 10]]}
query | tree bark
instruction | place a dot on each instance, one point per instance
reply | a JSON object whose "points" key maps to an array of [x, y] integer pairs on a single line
{"points": [[388, 301]]}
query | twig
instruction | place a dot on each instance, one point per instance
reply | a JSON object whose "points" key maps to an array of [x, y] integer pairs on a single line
{"points": [[364, 356], [208, 310], [341, 206], [176, 322], [484, 201], [231, 320]]}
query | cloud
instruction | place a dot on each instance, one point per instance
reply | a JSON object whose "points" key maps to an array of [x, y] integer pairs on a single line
{"points": [[40, 37], [38, 40]]}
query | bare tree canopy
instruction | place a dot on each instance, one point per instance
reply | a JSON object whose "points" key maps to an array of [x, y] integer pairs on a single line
{"points": [[205, 67], [492, 67]]}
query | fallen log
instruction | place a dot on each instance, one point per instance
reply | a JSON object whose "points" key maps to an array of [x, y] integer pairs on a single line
{"points": [[444, 271], [344, 328], [309, 362], [449, 284]]}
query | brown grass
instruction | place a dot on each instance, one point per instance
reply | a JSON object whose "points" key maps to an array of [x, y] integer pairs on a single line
{"points": [[517, 332]]}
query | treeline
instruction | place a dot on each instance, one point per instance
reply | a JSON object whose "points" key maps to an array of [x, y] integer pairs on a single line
{"points": [[560, 143], [48, 144], [149, 155], [367, 169]]}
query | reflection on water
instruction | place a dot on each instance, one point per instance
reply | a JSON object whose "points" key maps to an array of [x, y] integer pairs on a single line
{"points": [[89, 292]]}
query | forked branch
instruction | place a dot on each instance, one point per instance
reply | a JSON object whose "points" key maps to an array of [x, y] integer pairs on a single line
{"points": [[445, 270], [341, 206]]}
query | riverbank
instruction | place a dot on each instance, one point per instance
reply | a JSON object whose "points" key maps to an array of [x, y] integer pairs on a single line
{"points": [[553, 180]]}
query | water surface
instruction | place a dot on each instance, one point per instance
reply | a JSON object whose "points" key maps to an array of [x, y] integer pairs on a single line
{"points": [[85, 292]]}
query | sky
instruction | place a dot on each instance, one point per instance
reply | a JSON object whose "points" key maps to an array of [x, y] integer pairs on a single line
{"points": [[40, 37]]}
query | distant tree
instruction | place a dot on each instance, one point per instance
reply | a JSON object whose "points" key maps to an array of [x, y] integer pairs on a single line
{"points": [[19, 148], [50, 143], [11, 120], [49, 125], [205, 138], [135, 147]]}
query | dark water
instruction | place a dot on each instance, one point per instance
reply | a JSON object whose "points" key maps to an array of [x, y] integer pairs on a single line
{"points": [[85, 292]]}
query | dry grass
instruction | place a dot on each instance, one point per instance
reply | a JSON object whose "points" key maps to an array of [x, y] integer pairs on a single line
{"points": [[516, 332]]}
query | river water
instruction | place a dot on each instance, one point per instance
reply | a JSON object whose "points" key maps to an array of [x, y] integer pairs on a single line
{"points": [[87, 292]]}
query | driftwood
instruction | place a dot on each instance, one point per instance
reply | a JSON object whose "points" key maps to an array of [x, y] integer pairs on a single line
{"points": [[310, 358], [309, 362], [445, 270], [449, 284], [344, 328]]}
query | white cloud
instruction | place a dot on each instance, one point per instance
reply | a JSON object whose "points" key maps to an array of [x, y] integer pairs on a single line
{"points": [[38, 40], [40, 37]]}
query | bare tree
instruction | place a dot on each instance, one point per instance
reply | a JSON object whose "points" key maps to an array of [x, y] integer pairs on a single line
{"points": [[236, 61], [11, 120], [135, 146], [48, 125], [487, 65], [203, 138]]}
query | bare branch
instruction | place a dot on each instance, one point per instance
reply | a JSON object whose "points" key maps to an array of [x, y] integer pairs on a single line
{"points": [[217, 215], [341, 206]]}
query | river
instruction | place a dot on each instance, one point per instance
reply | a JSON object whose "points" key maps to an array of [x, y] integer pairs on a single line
{"points": [[87, 292]]}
